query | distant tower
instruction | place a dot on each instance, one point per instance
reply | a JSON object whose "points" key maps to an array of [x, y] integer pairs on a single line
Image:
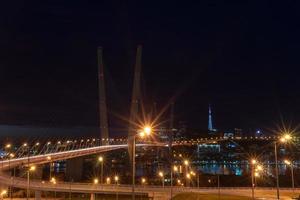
{"points": [[102, 100], [210, 125]]}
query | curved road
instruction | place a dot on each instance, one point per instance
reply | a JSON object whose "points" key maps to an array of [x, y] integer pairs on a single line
{"points": [[154, 191]]}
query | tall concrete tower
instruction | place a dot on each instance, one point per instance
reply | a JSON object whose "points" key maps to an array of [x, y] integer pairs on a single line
{"points": [[102, 100], [210, 125], [136, 92]]}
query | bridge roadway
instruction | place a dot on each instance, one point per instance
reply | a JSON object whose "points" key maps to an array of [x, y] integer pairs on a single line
{"points": [[159, 193]]}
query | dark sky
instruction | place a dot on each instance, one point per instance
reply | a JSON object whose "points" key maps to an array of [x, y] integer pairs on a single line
{"points": [[240, 56]]}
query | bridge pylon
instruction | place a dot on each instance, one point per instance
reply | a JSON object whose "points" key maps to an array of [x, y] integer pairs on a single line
{"points": [[102, 100], [135, 99]]}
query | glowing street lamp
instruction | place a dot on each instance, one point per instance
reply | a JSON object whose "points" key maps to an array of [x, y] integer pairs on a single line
{"points": [[289, 163], [142, 134], [161, 174], [107, 180], [53, 180], [186, 162], [116, 179], [193, 173], [178, 181], [7, 146], [284, 139], [145, 132], [96, 181], [253, 163], [143, 181], [3, 193], [175, 168], [259, 168], [101, 160], [30, 169], [188, 176]]}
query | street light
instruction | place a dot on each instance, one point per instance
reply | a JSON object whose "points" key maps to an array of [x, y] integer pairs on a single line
{"points": [[53, 181], [161, 174], [116, 181], [145, 132], [30, 169], [143, 181], [284, 139], [50, 166], [101, 160], [290, 163], [259, 168], [11, 155], [253, 162], [3, 193], [178, 181], [175, 169], [107, 180], [186, 162], [188, 177], [96, 181]]}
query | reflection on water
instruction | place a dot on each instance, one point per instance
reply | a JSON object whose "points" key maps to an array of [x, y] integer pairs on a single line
{"points": [[237, 168]]}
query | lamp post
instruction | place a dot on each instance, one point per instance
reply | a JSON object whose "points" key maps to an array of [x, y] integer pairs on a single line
{"points": [[143, 181], [96, 181], [146, 131], [116, 181], [161, 174], [174, 169], [188, 177], [107, 180], [101, 160], [186, 164], [53, 181], [276, 169], [3, 193], [284, 139], [253, 162], [50, 166], [30, 169], [11, 155], [290, 163]]}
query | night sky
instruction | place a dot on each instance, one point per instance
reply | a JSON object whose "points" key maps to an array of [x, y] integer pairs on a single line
{"points": [[241, 57]]}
